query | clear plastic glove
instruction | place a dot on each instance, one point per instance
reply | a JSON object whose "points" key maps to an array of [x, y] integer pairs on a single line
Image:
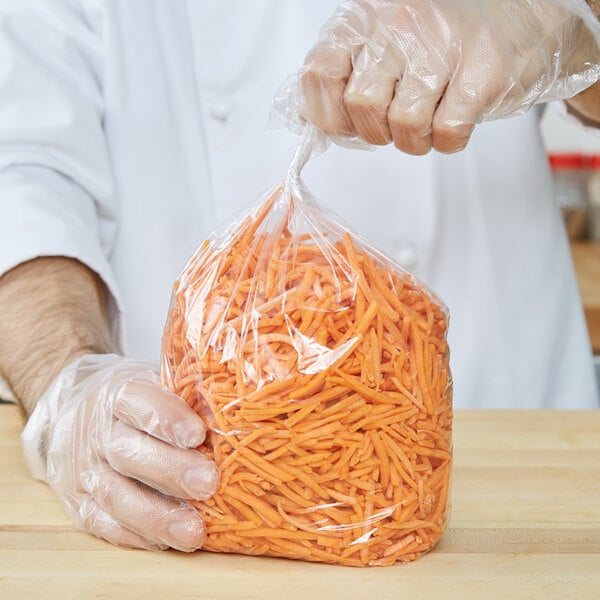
{"points": [[422, 73], [117, 449]]}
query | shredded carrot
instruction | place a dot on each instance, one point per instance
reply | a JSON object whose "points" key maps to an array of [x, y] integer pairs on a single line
{"points": [[321, 369]]}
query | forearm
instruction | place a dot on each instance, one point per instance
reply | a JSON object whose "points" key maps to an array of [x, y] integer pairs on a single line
{"points": [[52, 310], [586, 105]]}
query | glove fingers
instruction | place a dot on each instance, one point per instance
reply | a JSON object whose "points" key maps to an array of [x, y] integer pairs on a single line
{"points": [[157, 518], [449, 134], [411, 112], [323, 81], [479, 85], [368, 94], [98, 522], [150, 407], [328, 66], [418, 33], [177, 472], [458, 112]]}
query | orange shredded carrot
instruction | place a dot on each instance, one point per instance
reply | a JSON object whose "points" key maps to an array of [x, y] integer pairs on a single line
{"points": [[322, 372]]}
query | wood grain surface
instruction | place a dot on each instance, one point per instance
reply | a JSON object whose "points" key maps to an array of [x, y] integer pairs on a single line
{"points": [[586, 258], [525, 524]]}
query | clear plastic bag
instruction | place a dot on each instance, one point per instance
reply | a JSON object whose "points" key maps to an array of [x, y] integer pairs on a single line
{"points": [[321, 369]]}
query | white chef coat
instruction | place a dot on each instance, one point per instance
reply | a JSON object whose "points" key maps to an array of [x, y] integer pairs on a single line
{"points": [[130, 130]]}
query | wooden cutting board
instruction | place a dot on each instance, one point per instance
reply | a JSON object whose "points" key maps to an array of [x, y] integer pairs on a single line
{"points": [[525, 524]]}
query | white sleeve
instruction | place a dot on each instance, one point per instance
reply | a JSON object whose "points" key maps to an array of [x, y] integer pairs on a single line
{"points": [[56, 187]]}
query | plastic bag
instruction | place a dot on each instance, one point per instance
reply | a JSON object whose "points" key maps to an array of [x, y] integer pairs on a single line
{"points": [[321, 369]]}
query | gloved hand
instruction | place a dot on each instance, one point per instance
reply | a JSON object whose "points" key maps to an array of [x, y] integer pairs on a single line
{"points": [[421, 73], [117, 449]]}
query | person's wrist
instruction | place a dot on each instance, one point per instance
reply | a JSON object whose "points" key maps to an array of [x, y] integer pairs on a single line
{"points": [[29, 392], [42, 332], [581, 117], [51, 402], [585, 106]]}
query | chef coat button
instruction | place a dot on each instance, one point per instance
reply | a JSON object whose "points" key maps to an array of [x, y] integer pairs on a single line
{"points": [[219, 110], [408, 257]]}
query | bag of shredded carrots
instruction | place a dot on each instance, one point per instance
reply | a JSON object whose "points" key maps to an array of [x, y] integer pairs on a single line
{"points": [[321, 370]]}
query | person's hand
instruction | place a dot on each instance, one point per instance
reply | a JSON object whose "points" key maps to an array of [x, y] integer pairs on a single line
{"points": [[118, 450], [422, 73]]}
